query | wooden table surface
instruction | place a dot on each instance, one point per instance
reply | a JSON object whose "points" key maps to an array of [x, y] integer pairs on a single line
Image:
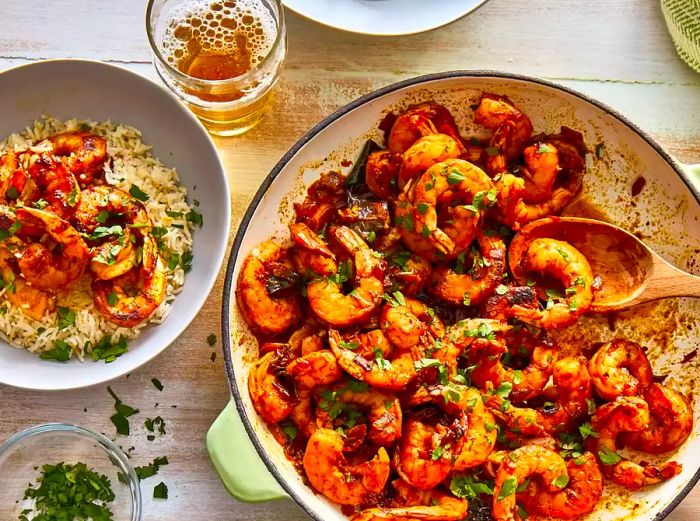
{"points": [[617, 51]]}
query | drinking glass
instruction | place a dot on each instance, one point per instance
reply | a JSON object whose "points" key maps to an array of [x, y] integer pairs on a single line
{"points": [[226, 105]]}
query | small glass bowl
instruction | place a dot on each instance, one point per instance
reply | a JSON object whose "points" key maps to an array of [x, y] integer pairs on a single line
{"points": [[22, 456]]}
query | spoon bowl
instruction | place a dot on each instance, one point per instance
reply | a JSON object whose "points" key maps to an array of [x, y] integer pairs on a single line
{"points": [[628, 272]]}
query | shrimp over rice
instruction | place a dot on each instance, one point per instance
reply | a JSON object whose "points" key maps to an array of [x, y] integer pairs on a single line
{"points": [[74, 321]]}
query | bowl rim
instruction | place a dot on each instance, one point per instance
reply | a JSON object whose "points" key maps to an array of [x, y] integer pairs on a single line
{"points": [[115, 454], [228, 302], [426, 29], [219, 252]]}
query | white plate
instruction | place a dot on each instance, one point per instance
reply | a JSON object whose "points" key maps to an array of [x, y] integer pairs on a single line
{"points": [[94, 90], [384, 17]]}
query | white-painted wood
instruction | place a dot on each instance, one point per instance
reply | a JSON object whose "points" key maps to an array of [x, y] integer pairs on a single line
{"points": [[618, 51]]}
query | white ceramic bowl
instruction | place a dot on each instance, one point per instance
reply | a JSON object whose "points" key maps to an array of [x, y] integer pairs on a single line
{"points": [[384, 17], [666, 213], [94, 90]]}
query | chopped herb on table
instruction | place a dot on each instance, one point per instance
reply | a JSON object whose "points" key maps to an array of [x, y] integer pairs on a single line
{"points": [[156, 383], [160, 491], [211, 339], [152, 469], [65, 492], [119, 419]]}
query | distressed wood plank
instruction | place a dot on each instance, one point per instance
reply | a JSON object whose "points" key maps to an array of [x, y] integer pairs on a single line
{"points": [[574, 39]]}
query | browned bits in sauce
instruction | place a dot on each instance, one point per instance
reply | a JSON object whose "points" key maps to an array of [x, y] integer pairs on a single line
{"points": [[690, 356], [638, 186]]}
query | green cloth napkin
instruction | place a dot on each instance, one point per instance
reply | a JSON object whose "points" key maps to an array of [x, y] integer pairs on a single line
{"points": [[683, 20]]}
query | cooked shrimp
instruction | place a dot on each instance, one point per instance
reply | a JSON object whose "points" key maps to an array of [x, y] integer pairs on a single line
{"points": [[85, 154], [271, 400], [424, 455], [426, 152], [530, 460], [381, 173], [560, 260], [330, 473], [480, 437], [126, 219], [511, 130], [33, 302], [500, 306], [627, 414], [138, 293], [45, 178], [383, 410], [311, 253], [527, 382], [411, 276], [620, 368], [404, 325], [579, 497], [670, 425], [421, 120], [263, 312], [318, 368], [463, 181], [307, 339], [471, 286], [515, 212], [325, 295], [420, 505], [394, 374], [573, 385], [41, 266], [540, 171]]}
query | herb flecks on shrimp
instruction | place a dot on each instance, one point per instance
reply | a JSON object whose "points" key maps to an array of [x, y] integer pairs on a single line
{"points": [[406, 367]]}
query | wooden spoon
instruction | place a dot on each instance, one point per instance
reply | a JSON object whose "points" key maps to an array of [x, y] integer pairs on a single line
{"points": [[630, 272]]}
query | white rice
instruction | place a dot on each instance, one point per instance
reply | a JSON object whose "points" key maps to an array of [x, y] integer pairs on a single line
{"points": [[132, 164]]}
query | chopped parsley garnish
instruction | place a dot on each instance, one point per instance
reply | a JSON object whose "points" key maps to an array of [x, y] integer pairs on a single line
{"points": [[73, 195], [174, 215], [112, 298], [156, 424], [467, 300], [395, 299], [517, 377], [501, 289], [290, 431], [108, 351], [211, 339], [152, 469], [382, 363], [61, 351], [102, 216], [508, 488], [608, 457], [137, 193], [422, 208], [14, 228], [66, 317], [69, 492], [160, 491], [543, 148], [119, 419], [436, 454], [349, 345], [156, 383], [560, 481], [12, 193], [186, 260], [455, 177], [195, 218]]}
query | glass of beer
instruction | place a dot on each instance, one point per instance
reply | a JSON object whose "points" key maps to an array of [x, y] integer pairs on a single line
{"points": [[220, 57]]}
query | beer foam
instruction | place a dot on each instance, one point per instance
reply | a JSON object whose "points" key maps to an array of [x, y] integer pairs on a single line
{"points": [[214, 25]]}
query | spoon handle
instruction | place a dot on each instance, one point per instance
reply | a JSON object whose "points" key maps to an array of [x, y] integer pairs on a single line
{"points": [[668, 281]]}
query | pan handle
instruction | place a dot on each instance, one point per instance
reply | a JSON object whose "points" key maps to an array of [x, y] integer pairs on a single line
{"points": [[237, 462], [693, 172]]}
